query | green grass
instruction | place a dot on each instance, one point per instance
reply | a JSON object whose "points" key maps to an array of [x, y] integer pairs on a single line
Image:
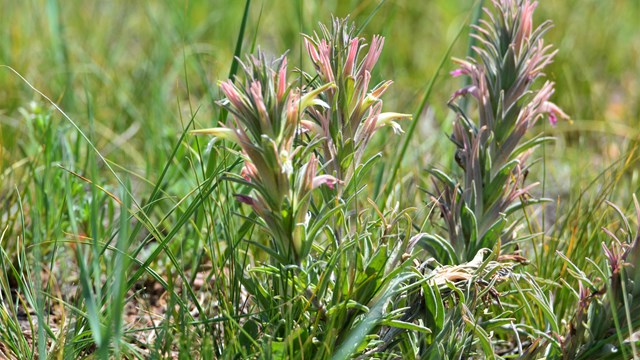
{"points": [[120, 236]]}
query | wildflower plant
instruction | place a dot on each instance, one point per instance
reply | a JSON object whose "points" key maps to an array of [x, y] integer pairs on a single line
{"points": [[266, 111], [463, 279], [292, 141], [493, 150], [338, 106]]}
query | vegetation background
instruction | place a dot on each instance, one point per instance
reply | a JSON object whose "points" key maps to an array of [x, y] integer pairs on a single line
{"points": [[131, 75], [142, 65]]}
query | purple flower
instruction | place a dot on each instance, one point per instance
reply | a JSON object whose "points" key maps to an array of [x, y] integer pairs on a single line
{"points": [[471, 89]]}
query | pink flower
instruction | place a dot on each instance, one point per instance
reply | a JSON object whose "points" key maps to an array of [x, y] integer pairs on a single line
{"points": [[328, 180], [553, 112], [311, 49], [466, 68], [320, 55], [256, 93], [293, 109], [615, 257], [249, 171], [282, 79], [325, 60], [232, 93], [351, 56], [372, 56], [526, 23]]}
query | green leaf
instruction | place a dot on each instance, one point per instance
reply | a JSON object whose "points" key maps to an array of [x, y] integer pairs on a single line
{"points": [[278, 350], [481, 335], [317, 225], [443, 177], [434, 306], [439, 248], [520, 205], [494, 189], [407, 326], [469, 228], [537, 140], [493, 234], [378, 261], [356, 336]]}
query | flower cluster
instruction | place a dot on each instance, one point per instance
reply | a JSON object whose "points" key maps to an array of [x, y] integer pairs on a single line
{"points": [[267, 111], [355, 112]]}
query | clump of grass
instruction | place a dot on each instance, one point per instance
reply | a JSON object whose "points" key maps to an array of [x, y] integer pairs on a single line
{"points": [[604, 323]]}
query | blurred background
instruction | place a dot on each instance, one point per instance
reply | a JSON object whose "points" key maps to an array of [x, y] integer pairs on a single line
{"points": [[132, 74]]}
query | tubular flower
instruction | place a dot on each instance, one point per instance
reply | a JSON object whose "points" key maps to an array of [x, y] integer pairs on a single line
{"points": [[554, 112]]}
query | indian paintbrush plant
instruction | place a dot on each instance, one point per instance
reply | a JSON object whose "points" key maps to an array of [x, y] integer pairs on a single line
{"points": [[266, 111], [493, 150], [480, 208], [287, 135], [278, 253], [293, 140]]}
